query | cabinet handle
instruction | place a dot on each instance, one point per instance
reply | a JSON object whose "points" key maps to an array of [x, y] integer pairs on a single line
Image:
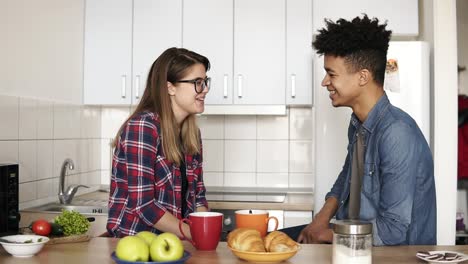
{"points": [[239, 85], [124, 80], [225, 84], [137, 86], [293, 85]]}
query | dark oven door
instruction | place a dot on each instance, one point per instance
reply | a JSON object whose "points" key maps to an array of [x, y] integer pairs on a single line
{"points": [[229, 221]]}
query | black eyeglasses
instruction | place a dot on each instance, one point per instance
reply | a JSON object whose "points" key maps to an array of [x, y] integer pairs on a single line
{"points": [[198, 83]]}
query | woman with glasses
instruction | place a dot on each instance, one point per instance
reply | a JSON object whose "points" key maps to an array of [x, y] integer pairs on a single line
{"points": [[157, 175]]}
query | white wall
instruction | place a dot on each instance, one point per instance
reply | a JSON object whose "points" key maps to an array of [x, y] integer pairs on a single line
{"points": [[41, 49], [462, 34], [445, 117]]}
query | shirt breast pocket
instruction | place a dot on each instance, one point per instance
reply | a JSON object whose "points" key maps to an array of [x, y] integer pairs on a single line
{"points": [[370, 181]]}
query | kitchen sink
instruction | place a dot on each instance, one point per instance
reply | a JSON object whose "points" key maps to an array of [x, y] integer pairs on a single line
{"points": [[57, 208]]}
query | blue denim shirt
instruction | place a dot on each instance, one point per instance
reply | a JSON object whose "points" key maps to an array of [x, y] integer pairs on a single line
{"points": [[398, 190]]}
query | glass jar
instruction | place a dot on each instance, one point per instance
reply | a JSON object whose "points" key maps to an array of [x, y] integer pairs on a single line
{"points": [[352, 242]]}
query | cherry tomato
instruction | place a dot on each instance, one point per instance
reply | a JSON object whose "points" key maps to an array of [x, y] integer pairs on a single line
{"points": [[41, 227]]}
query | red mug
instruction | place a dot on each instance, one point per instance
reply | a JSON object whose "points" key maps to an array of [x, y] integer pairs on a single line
{"points": [[205, 228]]}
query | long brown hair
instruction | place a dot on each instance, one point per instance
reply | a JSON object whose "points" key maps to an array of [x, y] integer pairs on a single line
{"points": [[170, 66]]}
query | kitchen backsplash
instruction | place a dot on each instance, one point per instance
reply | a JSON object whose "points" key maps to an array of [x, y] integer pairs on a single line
{"points": [[239, 151], [39, 135], [244, 151]]}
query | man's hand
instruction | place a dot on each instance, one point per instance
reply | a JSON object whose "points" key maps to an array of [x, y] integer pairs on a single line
{"points": [[316, 232], [319, 231]]}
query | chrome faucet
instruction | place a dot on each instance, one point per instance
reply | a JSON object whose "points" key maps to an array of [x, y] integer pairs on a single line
{"points": [[65, 197]]}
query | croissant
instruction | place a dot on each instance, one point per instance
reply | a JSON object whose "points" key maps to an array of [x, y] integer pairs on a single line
{"points": [[278, 241], [245, 239]]}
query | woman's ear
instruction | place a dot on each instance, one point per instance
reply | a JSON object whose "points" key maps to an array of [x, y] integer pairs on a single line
{"points": [[171, 88]]}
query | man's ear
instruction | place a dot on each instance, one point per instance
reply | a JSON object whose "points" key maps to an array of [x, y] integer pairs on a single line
{"points": [[364, 77], [170, 88]]}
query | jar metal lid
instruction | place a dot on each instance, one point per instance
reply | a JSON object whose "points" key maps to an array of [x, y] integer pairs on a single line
{"points": [[352, 227]]}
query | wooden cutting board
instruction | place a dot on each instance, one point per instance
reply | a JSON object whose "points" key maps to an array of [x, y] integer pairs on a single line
{"points": [[69, 239]]}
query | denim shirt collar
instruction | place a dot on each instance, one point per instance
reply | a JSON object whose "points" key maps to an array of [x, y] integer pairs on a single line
{"points": [[374, 115]]}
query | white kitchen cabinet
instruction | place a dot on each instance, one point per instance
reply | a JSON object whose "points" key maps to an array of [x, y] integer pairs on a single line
{"points": [[108, 52], [299, 53], [208, 30], [402, 15], [245, 42], [259, 51], [157, 26], [122, 40], [295, 218]]}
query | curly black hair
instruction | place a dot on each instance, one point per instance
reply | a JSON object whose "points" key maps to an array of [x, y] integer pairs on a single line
{"points": [[362, 42]]}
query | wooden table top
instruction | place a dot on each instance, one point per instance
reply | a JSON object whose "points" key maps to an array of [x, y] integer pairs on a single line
{"points": [[99, 249]]}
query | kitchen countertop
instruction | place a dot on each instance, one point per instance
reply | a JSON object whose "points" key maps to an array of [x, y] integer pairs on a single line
{"points": [[99, 249], [296, 200]]}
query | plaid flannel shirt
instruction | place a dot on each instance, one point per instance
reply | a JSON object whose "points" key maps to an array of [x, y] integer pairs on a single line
{"points": [[144, 184]]}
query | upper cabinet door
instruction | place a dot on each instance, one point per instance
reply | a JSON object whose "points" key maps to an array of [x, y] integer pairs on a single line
{"points": [[402, 15], [259, 51], [208, 30], [299, 53], [107, 56], [157, 26]]}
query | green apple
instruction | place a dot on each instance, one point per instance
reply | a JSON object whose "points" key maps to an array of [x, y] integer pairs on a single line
{"points": [[132, 248], [147, 236], [166, 247]]}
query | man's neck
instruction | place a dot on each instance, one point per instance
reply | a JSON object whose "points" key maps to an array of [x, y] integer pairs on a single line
{"points": [[367, 102]]}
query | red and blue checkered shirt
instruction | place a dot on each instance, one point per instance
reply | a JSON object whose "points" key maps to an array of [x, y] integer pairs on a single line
{"points": [[144, 184]]}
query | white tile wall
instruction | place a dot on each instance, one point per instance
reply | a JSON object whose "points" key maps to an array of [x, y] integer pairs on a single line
{"points": [[244, 179], [262, 151], [28, 160], [9, 116], [213, 178], [240, 127], [240, 155], [240, 151], [39, 135], [213, 155], [46, 188], [45, 120], [278, 180], [301, 156], [301, 123], [272, 156], [45, 159], [67, 121], [9, 151], [111, 119], [213, 127], [27, 118], [272, 127]]}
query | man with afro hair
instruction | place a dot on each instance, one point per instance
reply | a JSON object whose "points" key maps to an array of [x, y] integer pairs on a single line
{"points": [[388, 175]]}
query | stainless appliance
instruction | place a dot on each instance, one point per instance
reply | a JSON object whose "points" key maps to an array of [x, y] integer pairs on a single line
{"points": [[9, 211]]}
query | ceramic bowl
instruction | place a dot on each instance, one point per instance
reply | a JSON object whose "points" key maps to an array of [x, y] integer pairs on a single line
{"points": [[182, 260], [264, 256], [23, 245]]}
